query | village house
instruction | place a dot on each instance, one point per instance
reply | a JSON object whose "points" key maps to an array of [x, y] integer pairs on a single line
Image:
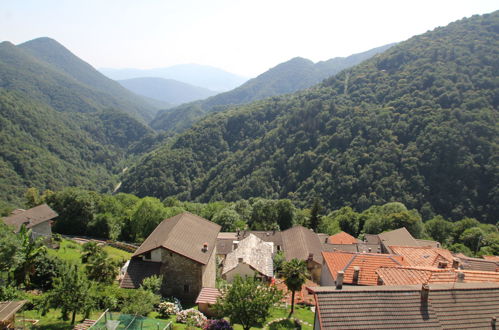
{"points": [[350, 268], [252, 257], [206, 299], [426, 256], [183, 250], [433, 306], [38, 219]]}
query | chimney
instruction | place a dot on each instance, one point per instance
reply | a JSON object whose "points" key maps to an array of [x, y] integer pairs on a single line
{"points": [[493, 322], [442, 264], [380, 281], [240, 260], [455, 263], [356, 273], [425, 292], [339, 279], [310, 257], [369, 250], [205, 247], [460, 277]]}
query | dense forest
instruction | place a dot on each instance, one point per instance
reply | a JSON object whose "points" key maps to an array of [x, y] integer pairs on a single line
{"points": [[288, 77], [61, 122], [416, 124]]}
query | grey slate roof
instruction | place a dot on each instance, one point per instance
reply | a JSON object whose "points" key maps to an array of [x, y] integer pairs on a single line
{"points": [[254, 252], [137, 271], [469, 263], [399, 237], [449, 306], [9, 309], [184, 234], [31, 217], [299, 242]]}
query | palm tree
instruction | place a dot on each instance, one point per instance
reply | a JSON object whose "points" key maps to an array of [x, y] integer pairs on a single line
{"points": [[295, 274]]}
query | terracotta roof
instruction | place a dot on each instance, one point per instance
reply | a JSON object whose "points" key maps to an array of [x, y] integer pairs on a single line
{"points": [[300, 242], [184, 234], [491, 258], [254, 252], [424, 256], [397, 237], [208, 296], [137, 271], [420, 275], [31, 217], [342, 238], [478, 264], [449, 306], [368, 263], [9, 309]]}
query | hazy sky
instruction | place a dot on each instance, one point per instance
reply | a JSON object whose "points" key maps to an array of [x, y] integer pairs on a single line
{"points": [[243, 37]]}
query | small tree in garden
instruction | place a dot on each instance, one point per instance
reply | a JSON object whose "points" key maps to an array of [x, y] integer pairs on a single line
{"points": [[247, 301], [295, 275]]}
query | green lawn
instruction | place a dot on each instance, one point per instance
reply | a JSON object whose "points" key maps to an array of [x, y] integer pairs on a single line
{"points": [[52, 320], [71, 251]]}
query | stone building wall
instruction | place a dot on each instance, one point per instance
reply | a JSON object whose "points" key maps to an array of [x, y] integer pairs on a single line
{"points": [[182, 277]]}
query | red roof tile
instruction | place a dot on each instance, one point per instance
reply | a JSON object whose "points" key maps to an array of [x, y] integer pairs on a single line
{"points": [[420, 275], [342, 238], [208, 296], [492, 258], [424, 256], [367, 262]]}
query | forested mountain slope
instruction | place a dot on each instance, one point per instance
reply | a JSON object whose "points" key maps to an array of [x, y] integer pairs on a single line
{"points": [[417, 124], [55, 130], [167, 90], [107, 92], [288, 77]]}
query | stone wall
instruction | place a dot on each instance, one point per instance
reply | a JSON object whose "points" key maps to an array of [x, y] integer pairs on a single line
{"points": [[182, 277], [42, 230]]}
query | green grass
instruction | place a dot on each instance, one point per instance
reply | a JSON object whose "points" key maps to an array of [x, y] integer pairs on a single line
{"points": [[117, 254], [52, 320], [68, 251]]}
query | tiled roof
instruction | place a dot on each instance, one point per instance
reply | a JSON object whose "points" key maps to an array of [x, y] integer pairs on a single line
{"points": [[208, 296], [274, 236], [254, 252], [224, 246], [227, 235], [426, 242], [137, 271], [420, 275], [342, 238], [397, 237], [31, 217], [478, 264], [9, 309], [424, 256], [339, 247], [449, 306], [368, 263], [300, 242], [491, 258], [184, 234]]}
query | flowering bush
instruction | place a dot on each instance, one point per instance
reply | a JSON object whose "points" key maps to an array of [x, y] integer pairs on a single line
{"points": [[167, 308], [217, 325], [191, 317]]}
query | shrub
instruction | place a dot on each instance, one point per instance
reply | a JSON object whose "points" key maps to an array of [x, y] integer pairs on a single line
{"points": [[191, 317], [284, 324], [167, 308], [217, 325]]}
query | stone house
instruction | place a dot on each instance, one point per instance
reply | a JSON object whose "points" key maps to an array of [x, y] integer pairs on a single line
{"points": [[38, 219], [183, 250], [252, 256]]}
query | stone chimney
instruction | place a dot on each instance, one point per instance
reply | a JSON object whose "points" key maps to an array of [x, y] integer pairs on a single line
{"points": [[455, 263], [425, 292], [356, 273], [493, 322], [460, 277], [240, 260], [339, 279], [205, 247], [310, 257]]}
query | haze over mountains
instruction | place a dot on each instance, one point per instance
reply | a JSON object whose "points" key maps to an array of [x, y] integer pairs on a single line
{"points": [[291, 76], [208, 77], [416, 123]]}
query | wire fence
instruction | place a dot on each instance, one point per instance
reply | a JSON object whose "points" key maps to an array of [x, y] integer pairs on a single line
{"points": [[112, 321]]}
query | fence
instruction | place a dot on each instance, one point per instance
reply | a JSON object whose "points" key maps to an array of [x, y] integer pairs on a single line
{"points": [[111, 321]]}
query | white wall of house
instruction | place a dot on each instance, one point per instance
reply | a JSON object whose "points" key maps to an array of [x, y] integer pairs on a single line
{"points": [[326, 277]]}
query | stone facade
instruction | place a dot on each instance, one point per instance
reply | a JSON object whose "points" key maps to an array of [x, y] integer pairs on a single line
{"points": [[183, 277], [43, 230]]}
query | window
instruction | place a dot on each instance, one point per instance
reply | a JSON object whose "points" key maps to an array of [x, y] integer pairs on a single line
{"points": [[147, 255], [186, 288]]}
